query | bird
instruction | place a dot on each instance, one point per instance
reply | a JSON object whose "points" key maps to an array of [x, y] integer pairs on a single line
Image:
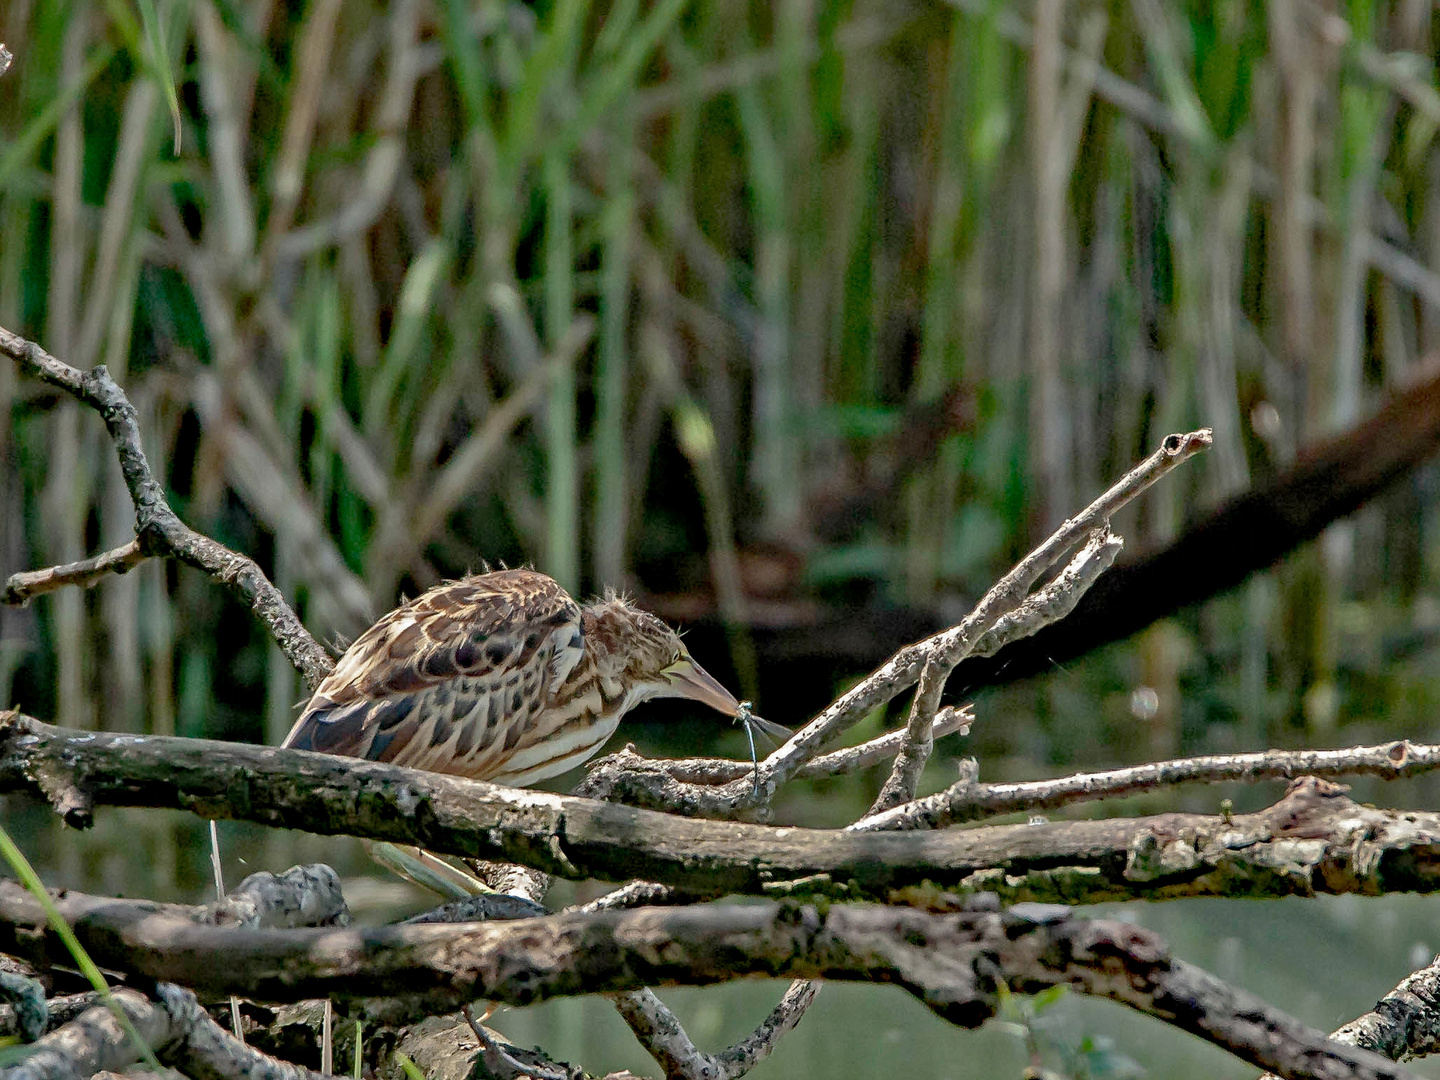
{"points": [[500, 676]]}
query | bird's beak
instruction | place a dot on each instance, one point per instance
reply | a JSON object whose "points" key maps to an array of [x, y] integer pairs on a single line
{"points": [[692, 681]]}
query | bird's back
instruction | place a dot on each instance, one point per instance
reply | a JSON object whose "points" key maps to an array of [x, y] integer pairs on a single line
{"points": [[463, 679]]}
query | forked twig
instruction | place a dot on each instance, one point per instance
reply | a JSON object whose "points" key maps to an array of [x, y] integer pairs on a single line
{"points": [[159, 531], [948, 647]]}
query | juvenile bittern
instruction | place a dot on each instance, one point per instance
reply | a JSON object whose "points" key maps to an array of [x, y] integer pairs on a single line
{"points": [[501, 677]]}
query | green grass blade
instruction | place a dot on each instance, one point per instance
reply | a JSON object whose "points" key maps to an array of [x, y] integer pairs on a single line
{"points": [[617, 225], [619, 76], [31, 880], [412, 1071], [422, 279], [160, 62]]}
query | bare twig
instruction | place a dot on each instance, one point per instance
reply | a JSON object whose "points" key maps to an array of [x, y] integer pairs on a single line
{"points": [[656, 1029], [483, 908], [663, 1037], [22, 586], [757, 1046], [498, 1062], [948, 647], [1049, 605], [158, 530], [625, 776], [969, 801]]}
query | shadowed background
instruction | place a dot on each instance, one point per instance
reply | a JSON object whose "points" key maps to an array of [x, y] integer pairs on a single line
{"points": [[799, 320]]}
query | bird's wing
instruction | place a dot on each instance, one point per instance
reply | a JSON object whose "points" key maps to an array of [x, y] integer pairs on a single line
{"points": [[430, 682]]}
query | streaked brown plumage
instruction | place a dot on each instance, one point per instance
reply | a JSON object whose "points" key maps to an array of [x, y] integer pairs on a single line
{"points": [[500, 676]]}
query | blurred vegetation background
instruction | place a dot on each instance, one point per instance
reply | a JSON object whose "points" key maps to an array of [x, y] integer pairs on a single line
{"points": [[802, 320]]}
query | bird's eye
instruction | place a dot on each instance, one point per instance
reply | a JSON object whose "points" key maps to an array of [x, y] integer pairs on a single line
{"points": [[676, 658]]}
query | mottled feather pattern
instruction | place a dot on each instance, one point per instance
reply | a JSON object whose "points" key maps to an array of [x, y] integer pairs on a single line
{"points": [[430, 683], [498, 677]]}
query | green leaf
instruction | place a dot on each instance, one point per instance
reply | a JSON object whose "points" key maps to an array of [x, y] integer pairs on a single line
{"points": [[1048, 997]]}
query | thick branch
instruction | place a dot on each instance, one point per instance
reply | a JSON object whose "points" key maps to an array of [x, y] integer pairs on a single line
{"points": [[158, 530], [958, 964], [1405, 1023], [1314, 840], [173, 1025], [301, 896]]}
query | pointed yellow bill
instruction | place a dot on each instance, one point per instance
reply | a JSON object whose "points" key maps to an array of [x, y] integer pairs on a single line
{"points": [[692, 681]]}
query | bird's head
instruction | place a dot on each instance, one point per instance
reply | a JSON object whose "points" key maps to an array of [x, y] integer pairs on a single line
{"points": [[638, 650]]}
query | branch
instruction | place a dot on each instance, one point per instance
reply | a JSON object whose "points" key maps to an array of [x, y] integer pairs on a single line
{"points": [[947, 648], [497, 1060], [1314, 840], [301, 896], [959, 964], [21, 587], [442, 1049], [669, 783], [87, 1037], [1050, 604], [968, 801], [159, 532], [1404, 1023], [758, 1045], [1246, 533], [27, 1012], [173, 1024], [658, 1031], [59, 1011], [635, 894]]}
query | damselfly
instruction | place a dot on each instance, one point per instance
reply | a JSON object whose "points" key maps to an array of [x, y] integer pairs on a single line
{"points": [[775, 732]]}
